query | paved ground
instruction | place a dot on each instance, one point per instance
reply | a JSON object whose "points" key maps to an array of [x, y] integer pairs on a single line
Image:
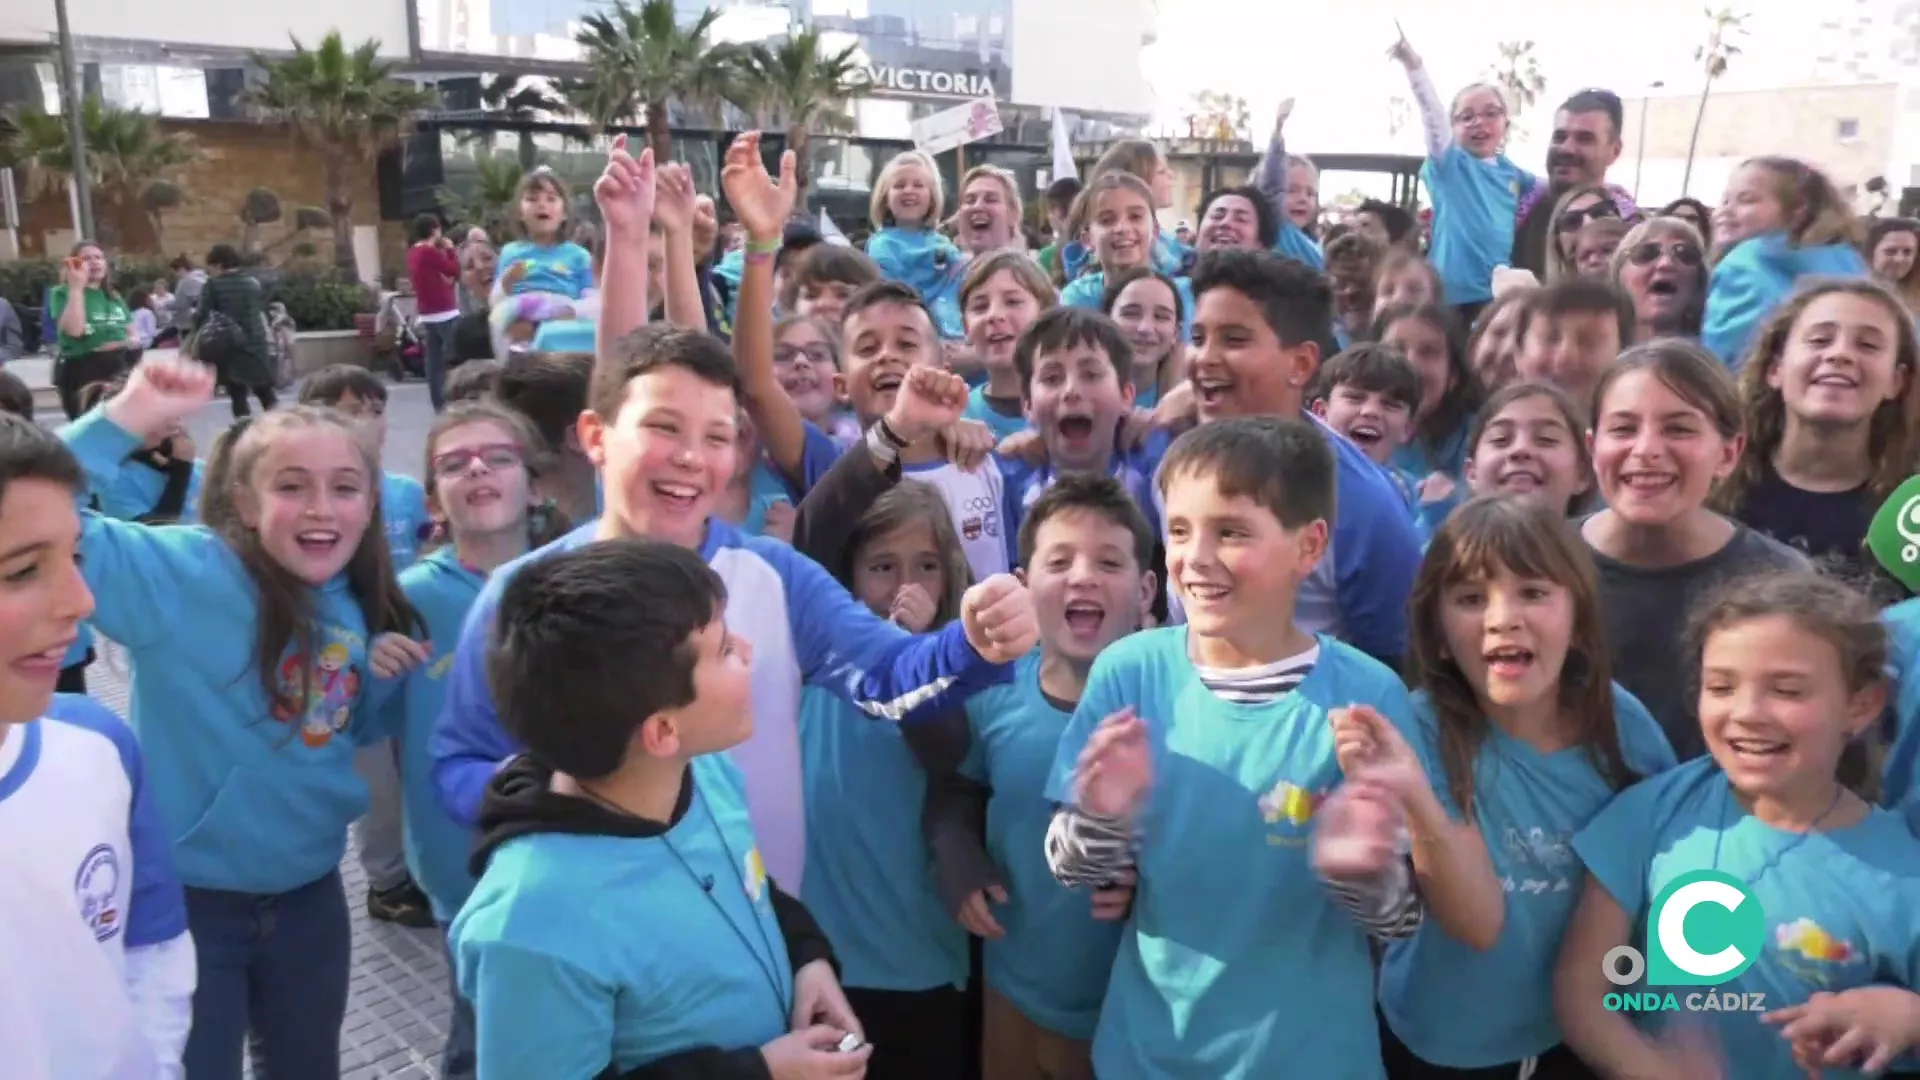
{"points": [[397, 1014]]}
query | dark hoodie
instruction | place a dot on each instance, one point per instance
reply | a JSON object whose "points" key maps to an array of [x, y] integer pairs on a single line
{"points": [[520, 802]]}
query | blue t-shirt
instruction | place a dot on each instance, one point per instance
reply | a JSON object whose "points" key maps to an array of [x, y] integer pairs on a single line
{"points": [[930, 263], [1841, 907], [1054, 961], [1754, 278], [1025, 484], [565, 335], [566, 269], [403, 506], [1456, 1006], [1237, 963], [869, 882], [1900, 775], [574, 945], [979, 408], [1295, 244], [765, 485], [1475, 204]]}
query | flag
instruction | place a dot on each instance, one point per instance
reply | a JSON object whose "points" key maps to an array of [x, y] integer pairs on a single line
{"points": [[1063, 165], [830, 232]]}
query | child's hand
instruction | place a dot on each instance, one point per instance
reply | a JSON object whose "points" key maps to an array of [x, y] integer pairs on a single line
{"points": [[1177, 410], [1026, 447], [976, 916], [968, 443], [1403, 52], [1506, 280], [1366, 742], [393, 655], [1437, 487], [625, 191], [818, 999], [1134, 429], [912, 609], [814, 1053], [1280, 116], [1115, 901], [179, 446], [1115, 768], [1865, 1028], [515, 274], [779, 520], [999, 620], [160, 393], [762, 205], [1356, 833], [929, 402], [673, 199]]}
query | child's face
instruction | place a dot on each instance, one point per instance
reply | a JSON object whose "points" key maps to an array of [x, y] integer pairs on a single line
{"points": [[1426, 348], [1376, 422], [824, 300], [310, 499], [1411, 284], [1088, 588], [1657, 455], [997, 313], [1148, 312], [542, 212], [1775, 708], [884, 342], [667, 456], [720, 716], [43, 598], [803, 361], [1750, 207], [1232, 564], [893, 561], [1509, 636], [1237, 363], [1303, 195], [1231, 222], [1076, 401], [1529, 452], [1840, 362], [1496, 352], [1584, 208], [1479, 121], [910, 197], [369, 418], [1893, 256], [480, 481], [1569, 350], [1161, 182], [1122, 230], [1352, 281], [1593, 251], [986, 218]]}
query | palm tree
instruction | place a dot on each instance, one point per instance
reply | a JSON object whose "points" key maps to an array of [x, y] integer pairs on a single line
{"points": [[128, 158], [1517, 73], [800, 87], [496, 191], [1723, 29], [346, 104], [640, 58]]}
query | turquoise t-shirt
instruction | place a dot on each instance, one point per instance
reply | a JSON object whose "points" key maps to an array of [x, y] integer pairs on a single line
{"points": [[572, 945], [1053, 963], [869, 880], [403, 506], [1842, 908], [1453, 1005], [1475, 204], [930, 263], [979, 408], [1238, 964], [1900, 775], [565, 269], [1295, 244]]}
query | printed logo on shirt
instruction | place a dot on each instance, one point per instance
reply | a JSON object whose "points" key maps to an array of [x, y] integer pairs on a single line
{"points": [[1288, 811], [95, 887], [753, 874], [1812, 953], [1536, 861], [317, 694], [979, 516]]}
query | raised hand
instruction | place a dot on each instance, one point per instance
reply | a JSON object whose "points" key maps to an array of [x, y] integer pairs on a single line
{"points": [[673, 197], [1280, 115], [1115, 769], [74, 271], [1402, 52], [929, 402], [161, 392], [761, 204], [1356, 832], [625, 191], [999, 619]]}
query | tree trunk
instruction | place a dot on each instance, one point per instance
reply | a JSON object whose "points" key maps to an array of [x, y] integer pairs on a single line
{"points": [[339, 198], [1693, 141], [797, 141], [659, 132]]}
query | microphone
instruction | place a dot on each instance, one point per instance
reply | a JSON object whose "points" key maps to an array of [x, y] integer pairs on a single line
{"points": [[1894, 536], [706, 883]]}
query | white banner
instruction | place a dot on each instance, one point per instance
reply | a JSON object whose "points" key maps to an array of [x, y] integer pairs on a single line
{"points": [[958, 126]]}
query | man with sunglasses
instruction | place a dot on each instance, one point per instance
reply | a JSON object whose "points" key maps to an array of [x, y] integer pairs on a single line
{"points": [[1586, 143]]}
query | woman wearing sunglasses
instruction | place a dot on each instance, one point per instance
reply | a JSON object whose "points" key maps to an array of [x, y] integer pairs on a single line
{"points": [[1661, 264], [1581, 204]]}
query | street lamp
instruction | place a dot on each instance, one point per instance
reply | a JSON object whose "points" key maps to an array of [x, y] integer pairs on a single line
{"points": [[71, 99], [1640, 141]]}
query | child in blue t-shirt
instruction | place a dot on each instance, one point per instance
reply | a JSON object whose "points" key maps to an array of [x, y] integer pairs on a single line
{"points": [[906, 210], [1121, 229], [544, 277], [1819, 881], [1525, 737], [1086, 549], [1001, 295], [1203, 753], [626, 792], [1367, 394]]}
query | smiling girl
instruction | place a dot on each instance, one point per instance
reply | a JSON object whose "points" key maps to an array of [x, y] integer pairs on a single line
{"points": [[1118, 209], [1831, 404], [1449, 394], [1151, 309], [546, 275], [1530, 442], [908, 202], [1667, 430], [1003, 292]]}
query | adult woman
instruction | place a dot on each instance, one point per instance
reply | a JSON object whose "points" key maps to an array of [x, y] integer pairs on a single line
{"points": [[1581, 204], [1662, 266], [1891, 246], [1695, 213], [96, 339], [242, 357], [988, 219]]}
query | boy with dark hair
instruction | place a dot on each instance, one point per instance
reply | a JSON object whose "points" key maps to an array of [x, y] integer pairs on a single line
{"points": [[96, 927], [15, 396], [1570, 332], [1254, 352], [1368, 394], [475, 380], [822, 280], [1353, 261], [626, 790], [1181, 734], [661, 431]]}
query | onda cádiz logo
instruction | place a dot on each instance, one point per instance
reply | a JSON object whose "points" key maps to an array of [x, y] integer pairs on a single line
{"points": [[1704, 929]]}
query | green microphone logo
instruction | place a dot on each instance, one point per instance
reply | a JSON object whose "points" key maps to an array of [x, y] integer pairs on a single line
{"points": [[1894, 536]]}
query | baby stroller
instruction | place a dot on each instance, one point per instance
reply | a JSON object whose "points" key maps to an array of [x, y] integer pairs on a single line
{"points": [[398, 332]]}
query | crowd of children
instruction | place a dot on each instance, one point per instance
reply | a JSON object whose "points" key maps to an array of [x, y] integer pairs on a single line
{"points": [[1268, 659]]}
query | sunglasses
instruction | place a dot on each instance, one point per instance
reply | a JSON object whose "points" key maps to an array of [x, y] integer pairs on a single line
{"points": [[1572, 220], [497, 458], [1649, 252]]}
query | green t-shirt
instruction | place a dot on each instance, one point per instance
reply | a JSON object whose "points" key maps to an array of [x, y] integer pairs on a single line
{"points": [[106, 321]]}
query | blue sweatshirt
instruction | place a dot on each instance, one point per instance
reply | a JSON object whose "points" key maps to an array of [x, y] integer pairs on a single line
{"points": [[930, 263], [1756, 277], [805, 631], [257, 797], [403, 506]]}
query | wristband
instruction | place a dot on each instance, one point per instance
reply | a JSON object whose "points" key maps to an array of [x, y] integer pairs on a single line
{"points": [[883, 445], [763, 247], [894, 438]]}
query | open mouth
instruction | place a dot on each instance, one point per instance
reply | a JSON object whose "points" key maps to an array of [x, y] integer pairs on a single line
{"points": [[483, 496], [1205, 592], [317, 542], [1521, 481], [1835, 380], [1212, 392], [675, 496], [1001, 340], [1757, 749], [979, 220], [1084, 617], [1221, 236], [1365, 434], [888, 381], [46, 663], [1076, 428], [1648, 483], [1509, 661], [1663, 287]]}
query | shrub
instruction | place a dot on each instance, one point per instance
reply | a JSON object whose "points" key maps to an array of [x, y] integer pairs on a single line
{"points": [[317, 299], [320, 301]]}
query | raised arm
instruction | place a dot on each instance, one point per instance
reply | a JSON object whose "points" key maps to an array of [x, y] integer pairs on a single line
{"points": [[673, 211], [763, 207], [625, 194], [1271, 174], [1435, 124]]}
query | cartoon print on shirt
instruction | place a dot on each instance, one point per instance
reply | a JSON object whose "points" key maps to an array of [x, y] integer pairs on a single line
{"points": [[1814, 955], [1543, 860], [319, 695], [1289, 808]]}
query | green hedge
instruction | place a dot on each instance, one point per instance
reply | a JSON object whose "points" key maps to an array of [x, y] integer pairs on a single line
{"points": [[317, 299]]}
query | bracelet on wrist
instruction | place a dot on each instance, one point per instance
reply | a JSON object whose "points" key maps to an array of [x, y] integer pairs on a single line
{"points": [[763, 247]]}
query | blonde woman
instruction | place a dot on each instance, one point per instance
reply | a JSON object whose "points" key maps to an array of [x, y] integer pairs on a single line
{"points": [[988, 218], [1662, 265], [1580, 204]]}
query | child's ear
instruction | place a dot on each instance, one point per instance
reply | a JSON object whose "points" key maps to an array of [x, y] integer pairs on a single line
{"points": [[589, 437], [1319, 407], [247, 506], [658, 735], [839, 382], [1149, 588], [1865, 706]]}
